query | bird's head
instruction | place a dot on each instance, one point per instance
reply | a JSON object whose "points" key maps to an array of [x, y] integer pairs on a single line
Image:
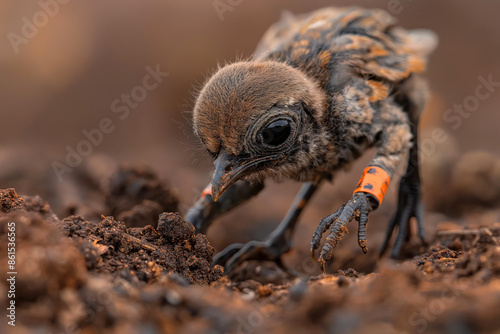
{"points": [[259, 120]]}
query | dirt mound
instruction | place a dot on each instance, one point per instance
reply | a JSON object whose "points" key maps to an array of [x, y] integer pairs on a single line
{"points": [[69, 284], [75, 274], [144, 254]]}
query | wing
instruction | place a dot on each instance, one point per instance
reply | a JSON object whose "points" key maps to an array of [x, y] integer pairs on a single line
{"points": [[364, 40]]}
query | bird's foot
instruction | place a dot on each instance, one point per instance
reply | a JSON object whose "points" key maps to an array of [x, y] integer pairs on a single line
{"points": [[357, 208], [409, 205], [270, 249]]}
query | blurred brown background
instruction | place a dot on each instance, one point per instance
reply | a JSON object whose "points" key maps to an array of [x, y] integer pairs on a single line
{"points": [[65, 77]]}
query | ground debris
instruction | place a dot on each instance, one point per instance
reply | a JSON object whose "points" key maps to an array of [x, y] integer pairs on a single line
{"points": [[103, 276], [144, 254]]}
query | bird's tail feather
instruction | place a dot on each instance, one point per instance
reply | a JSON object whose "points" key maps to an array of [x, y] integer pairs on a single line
{"points": [[422, 41]]}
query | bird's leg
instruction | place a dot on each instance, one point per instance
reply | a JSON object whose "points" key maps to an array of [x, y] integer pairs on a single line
{"points": [[409, 203], [392, 145], [276, 244], [205, 210]]}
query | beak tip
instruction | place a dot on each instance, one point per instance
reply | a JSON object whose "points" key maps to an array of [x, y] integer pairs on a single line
{"points": [[227, 170]]}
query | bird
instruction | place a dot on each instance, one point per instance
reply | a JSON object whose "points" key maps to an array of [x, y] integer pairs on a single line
{"points": [[320, 90]]}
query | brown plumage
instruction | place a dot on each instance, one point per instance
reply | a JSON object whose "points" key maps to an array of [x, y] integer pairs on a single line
{"points": [[320, 90]]}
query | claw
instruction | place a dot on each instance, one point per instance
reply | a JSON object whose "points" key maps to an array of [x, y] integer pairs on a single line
{"points": [[363, 220], [409, 206], [236, 254], [362, 244], [248, 251], [222, 257], [322, 266], [357, 208], [324, 224], [313, 256]]}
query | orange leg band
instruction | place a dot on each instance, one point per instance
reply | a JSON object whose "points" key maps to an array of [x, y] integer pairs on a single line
{"points": [[374, 181]]}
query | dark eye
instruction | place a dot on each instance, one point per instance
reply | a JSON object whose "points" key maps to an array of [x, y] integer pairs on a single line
{"points": [[276, 133]]}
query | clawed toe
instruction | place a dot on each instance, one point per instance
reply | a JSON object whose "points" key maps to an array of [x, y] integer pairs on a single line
{"points": [[234, 255], [223, 256], [409, 206], [253, 250], [324, 224], [357, 208]]}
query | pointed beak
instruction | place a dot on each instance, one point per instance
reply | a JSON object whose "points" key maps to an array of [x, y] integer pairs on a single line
{"points": [[228, 170]]}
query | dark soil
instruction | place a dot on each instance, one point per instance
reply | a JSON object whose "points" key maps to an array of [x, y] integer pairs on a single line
{"points": [[137, 197], [101, 276]]}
